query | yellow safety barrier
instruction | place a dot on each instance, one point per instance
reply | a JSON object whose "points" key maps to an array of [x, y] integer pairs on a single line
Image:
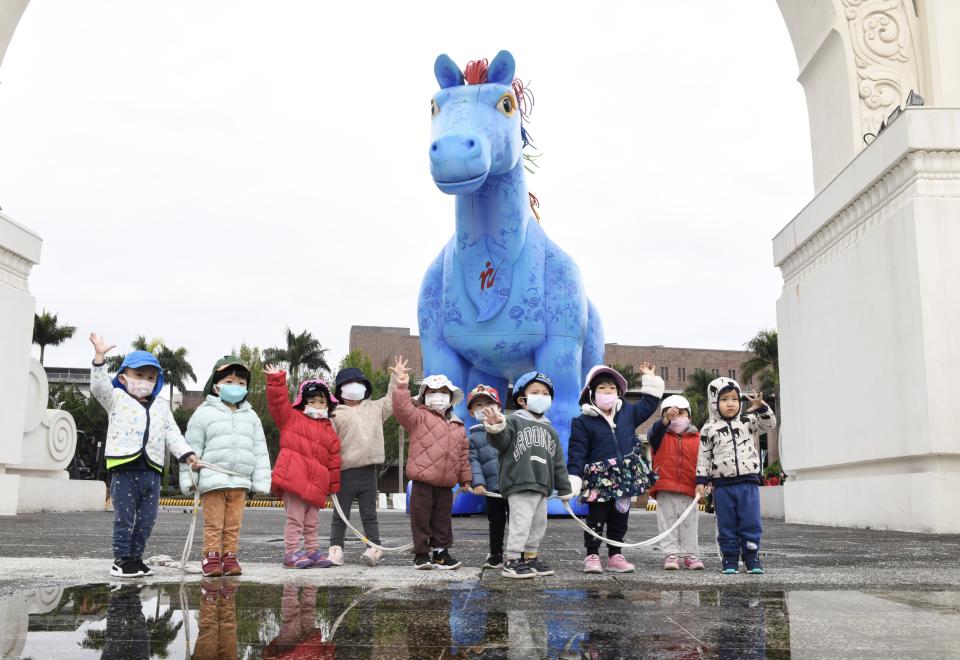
{"points": [[651, 505], [254, 504]]}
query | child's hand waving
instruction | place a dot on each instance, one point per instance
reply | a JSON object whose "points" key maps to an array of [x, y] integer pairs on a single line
{"points": [[400, 370], [492, 415], [272, 369], [647, 369], [100, 347], [670, 413], [756, 401]]}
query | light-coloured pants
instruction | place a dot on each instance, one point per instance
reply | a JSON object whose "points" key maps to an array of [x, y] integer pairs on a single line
{"points": [[222, 515], [683, 540], [302, 519], [528, 523]]}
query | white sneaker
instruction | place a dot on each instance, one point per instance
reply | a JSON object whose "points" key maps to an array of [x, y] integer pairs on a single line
{"points": [[372, 556], [335, 555]]}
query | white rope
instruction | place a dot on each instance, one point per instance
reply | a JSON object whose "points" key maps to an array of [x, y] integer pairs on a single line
{"points": [[336, 505], [619, 544]]}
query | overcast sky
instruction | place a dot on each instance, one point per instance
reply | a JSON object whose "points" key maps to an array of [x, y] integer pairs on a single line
{"points": [[210, 172]]}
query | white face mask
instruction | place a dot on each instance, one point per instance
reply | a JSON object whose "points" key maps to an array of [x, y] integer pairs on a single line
{"points": [[437, 400], [539, 403], [315, 413], [353, 391], [480, 415], [137, 388]]}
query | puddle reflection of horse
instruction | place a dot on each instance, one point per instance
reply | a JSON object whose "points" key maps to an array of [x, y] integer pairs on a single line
{"points": [[501, 299]]}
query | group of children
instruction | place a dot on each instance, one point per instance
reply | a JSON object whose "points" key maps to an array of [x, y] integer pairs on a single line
{"points": [[331, 442]]}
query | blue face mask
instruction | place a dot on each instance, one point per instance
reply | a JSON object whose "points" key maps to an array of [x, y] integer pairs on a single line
{"points": [[232, 393]]}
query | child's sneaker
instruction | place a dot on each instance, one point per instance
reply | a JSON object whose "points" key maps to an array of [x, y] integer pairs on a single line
{"points": [[591, 564], [371, 556], [671, 563], [335, 555], [144, 569], [125, 568], [618, 564], [444, 561], [517, 568], [211, 565], [493, 561], [731, 564], [228, 588], [752, 561], [693, 563], [422, 562], [230, 564], [319, 559], [209, 590], [538, 567], [298, 559]]}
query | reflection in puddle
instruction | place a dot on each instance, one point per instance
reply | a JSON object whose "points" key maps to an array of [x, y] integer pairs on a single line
{"points": [[225, 618]]}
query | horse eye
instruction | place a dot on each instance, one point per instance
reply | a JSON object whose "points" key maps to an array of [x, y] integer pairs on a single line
{"points": [[434, 108], [506, 104]]}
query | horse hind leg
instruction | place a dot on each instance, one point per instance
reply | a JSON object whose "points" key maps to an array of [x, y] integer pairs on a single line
{"points": [[593, 344]]}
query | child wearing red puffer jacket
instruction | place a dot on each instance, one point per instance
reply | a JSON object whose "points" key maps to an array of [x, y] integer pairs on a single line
{"points": [[308, 467]]}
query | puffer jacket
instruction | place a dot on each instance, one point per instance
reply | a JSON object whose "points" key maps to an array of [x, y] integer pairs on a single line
{"points": [[134, 428], [309, 461], [595, 437], [231, 439], [439, 453], [674, 458], [360, 429], [484, 464], [728, 447]]}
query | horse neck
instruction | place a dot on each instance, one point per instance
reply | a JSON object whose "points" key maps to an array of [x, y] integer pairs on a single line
{"points": [[500, 208]]}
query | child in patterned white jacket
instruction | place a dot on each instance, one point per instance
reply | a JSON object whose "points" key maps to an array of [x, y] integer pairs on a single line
{"points": [[141, 430], [729, 461]]}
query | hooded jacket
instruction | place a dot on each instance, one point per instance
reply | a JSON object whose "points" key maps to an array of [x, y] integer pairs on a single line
{"points": [[360, 429], [674, 458], [595, 437], [531, 458], [484, 460], [136, 428], [439, 453], [728, 447], [309, 461], [231, 439]]}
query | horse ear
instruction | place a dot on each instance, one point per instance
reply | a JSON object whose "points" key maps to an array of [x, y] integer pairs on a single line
{"points": [[447, 72], [502, 68]]}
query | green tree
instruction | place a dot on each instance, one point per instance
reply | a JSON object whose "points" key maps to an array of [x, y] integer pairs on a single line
{"points": [[88, 414], [302, 351], [627, 371], [252, 356], [47, 332], [696, 394], [765, 364]]}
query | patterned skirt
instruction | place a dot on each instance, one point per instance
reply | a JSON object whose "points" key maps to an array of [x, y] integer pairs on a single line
{"points": [[616, 478]]}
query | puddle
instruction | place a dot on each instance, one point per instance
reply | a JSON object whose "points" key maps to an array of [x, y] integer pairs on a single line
{"points": [[226, 618]]}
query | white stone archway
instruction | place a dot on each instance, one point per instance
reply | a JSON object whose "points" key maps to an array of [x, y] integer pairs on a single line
{"points": [[869, 275]]}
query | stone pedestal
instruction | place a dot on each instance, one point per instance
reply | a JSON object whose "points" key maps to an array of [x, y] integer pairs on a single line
{"points": [[869, 340]]}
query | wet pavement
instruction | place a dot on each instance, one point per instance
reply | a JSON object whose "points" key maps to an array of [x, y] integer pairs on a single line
{"points": [[828, 592], [227, 618]]}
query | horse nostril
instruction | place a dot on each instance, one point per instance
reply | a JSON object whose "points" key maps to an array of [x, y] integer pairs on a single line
{"points": [[471, 144], [433, 147]]}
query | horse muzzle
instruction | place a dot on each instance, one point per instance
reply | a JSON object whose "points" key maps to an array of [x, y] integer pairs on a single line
{"points": [[459, 163]]}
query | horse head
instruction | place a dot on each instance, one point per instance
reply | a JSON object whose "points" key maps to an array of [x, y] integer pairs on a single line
{"points": [[476, 129]]}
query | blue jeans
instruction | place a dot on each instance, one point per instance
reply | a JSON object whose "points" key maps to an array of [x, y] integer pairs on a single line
{"points": [[738, 518], [135, 495]]}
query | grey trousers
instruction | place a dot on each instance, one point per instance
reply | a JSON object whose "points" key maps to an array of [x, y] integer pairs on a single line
{"points": [[527, 524], [683, 540], [360, 484]]}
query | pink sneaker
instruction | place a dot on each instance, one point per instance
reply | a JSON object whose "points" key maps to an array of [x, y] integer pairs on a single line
{"points": [[693, 563], [591, 564], [335, 555], [671, 563], [619, 564], [371, 556]]}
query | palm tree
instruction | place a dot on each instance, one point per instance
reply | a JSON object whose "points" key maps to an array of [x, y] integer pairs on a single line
{"points": [[302, 350], [765, 364], [139, 344], [696, 394], [176, 369], [626, 370], [46, 332]]}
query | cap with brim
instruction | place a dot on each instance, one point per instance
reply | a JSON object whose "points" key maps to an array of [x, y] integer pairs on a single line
{"points": [[310, 388], [483, 391], [137, 359], [530, 377], [222, 365], [439, 382], [351, 375], [601, 370]]}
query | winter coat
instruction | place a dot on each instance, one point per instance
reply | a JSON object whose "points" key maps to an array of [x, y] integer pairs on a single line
{"points": [[728, 447], [674, 458], [134, 428], [360, 428], [594, 437], [231, 439], [439, 451], [309, 461], [531, 458], [484, 461]]}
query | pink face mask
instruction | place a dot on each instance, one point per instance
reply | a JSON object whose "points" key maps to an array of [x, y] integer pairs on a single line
{"points": [[679, 424], [606, 401]]}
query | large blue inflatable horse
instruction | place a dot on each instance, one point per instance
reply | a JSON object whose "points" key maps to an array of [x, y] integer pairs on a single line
{"points": [[501, 299]]}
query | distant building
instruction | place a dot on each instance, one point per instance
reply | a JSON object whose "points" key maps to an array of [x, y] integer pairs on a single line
{"points": [[77, 376]]}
